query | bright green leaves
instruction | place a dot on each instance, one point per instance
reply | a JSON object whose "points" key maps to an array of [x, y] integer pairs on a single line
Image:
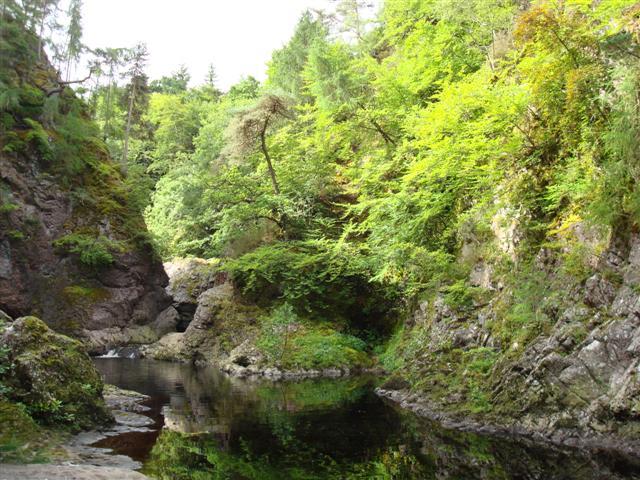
{"points": [[94, 252], [177, 122], [458, 152], [401, 146]]}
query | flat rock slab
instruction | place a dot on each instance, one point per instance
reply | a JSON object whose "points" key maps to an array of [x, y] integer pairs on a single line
{"points": [[131, 419], [67, 472]]}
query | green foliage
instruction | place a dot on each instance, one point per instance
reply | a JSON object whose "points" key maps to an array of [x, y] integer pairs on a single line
{"points": [[391, 357], [39, 138], [459, 295], [8, 207], [94, 252], [287, 64], [292, 343], [376, 166], [313, 276]]}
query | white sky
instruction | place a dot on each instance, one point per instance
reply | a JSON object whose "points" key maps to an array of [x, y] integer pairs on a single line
{"points": [[237, 36]]}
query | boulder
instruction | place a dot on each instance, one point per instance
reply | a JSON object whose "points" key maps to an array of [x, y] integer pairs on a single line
{"points": [[188, 279], [52, 375], [99, 342], [220, 323], [171, 347], [598, 291], [166, 322]]}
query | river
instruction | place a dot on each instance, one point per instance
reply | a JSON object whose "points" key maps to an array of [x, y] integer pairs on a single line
{"points": [[211, 426]]}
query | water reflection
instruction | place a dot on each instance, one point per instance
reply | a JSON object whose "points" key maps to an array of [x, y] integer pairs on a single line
{"points": [[216, 427]]}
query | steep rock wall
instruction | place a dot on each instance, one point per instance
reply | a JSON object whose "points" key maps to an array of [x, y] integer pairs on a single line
{"points": [[73, 248]]}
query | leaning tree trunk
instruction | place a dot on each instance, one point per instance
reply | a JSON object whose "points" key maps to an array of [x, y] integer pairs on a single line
{"points": [[267, 157]]}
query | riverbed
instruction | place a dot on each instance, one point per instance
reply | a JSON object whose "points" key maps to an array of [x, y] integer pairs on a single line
{"points": [[209, 425]]}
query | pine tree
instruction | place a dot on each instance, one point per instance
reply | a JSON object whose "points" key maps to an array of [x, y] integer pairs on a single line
{"points": [[74, 34], [138, 57]]}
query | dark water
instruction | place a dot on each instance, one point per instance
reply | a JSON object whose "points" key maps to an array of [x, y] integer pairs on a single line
{"points": [[211, 426]]}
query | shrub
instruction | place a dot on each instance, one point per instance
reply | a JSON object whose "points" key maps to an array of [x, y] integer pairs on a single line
{"points": [[95, 252], [293, 343]]}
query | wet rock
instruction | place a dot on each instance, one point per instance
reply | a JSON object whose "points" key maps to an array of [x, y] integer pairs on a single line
{"points": [[131, 419], [171, 347], [99, 342], [124, 400]]}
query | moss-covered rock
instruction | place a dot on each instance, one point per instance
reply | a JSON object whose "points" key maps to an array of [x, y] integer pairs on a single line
{"points": [[53, 376]]}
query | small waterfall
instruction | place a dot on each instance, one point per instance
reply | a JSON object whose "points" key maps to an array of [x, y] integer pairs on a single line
{"points": [[122, 352], [110, 354]]}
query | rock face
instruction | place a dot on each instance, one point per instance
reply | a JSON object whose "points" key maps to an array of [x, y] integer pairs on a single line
{"points": [[37, 278], [578, 374], [188, 279], [73, 247], [220, 323], [52, 375], [586, 373]]}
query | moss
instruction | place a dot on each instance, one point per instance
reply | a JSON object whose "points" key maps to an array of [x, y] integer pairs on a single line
{"points": [[53, 376], [21, 439], [8, 207], [391, 357], [293, 343], [80, 295], [95, 252], [15, 235], [235, 322]]}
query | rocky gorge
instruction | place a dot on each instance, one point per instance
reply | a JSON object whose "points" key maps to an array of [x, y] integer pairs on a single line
{"points": [[434, 210]]}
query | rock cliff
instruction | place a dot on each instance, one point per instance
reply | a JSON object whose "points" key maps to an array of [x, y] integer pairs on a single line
{"points": [[73, 248], [562, 361]]}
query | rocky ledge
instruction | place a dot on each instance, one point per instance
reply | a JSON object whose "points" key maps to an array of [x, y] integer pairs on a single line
{"points": [[600, 442], [67, 472], [128, 410]]}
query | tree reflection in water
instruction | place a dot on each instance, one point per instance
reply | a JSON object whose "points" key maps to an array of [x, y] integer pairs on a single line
{"points": [[217, 427]]}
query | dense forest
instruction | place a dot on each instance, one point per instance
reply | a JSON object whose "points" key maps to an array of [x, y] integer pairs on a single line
{"points": [[434, 189], [371, 169]]}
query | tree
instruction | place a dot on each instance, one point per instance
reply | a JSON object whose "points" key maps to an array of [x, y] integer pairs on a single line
{"points": [[249, 129], [39, 14], [211, 77], [113, 58], [246, 88], [176, 83], [351, 14], [210, 89], [287, 64], [138, 57], [74, 34]]}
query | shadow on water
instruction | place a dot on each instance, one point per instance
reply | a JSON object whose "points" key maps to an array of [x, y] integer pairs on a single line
{"points": [[217, 427]]}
